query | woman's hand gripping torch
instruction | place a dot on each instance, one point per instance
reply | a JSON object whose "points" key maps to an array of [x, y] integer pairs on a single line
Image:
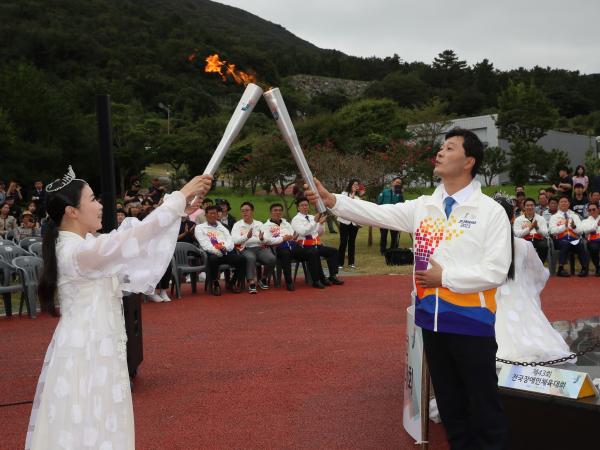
{"points": [[282, 117]]}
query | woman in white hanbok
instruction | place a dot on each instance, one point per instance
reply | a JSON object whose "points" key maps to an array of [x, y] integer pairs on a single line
{"points": [[523, 333], [83, 397]]}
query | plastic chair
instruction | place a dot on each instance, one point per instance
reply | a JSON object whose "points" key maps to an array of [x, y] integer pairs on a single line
{"points": [[7, 273], [36, 249], [6, 242], [27, 241], [181, 265], [9, 252], [30, 268]]}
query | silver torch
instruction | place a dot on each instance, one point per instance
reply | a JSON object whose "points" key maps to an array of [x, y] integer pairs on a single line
{"points": [[282, 117], [237, 121]]}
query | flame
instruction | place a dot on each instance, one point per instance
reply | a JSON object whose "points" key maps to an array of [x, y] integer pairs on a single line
{"points": [[214, 64]]}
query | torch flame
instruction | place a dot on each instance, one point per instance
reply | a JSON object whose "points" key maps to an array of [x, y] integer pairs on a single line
{"points": [[214, 64]]}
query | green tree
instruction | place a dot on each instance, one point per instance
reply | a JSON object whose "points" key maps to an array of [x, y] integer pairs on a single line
{"points": [[525, 116], [525, 113], [406, 89], [494, 163]]}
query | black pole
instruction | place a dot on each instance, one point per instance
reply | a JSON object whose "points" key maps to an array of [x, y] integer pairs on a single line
{"points": [[107, 163]]}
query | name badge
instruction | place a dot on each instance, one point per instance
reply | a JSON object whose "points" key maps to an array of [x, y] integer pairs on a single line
{"points": [[548, 380]]}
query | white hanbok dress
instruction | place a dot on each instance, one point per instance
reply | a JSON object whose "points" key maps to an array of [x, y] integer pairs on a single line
{"points": [[83, 396], [523, 332]]}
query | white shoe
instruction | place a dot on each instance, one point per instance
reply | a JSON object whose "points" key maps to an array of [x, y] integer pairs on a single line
{"points": [[155, 298], [352, 266], [164, 296], [340, 267]]}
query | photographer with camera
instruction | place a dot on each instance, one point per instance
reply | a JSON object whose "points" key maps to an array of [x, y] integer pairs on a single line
{"points": [[390, 196]]}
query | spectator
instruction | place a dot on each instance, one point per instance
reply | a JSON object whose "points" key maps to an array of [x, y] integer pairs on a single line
{"points": [[156, 191], [226, 218], [390, 196], [309, 229], [28, 228], [519, 199], [146, 208], [533, 228], [14, 192], [133, 194], [215, 239], [200, 216], [581, 177], [565, 227], [594, 197], [133, 209], [2, 192], [591, 226], [542, 206], [519, 188], [552, 209], [249, 240], [32, 208], [187, 227], [580, 201], [348, 229], [39, 197], [8, 223], [564, 184], [280, 236], [550, 192], [13, 208], [120, 217]]}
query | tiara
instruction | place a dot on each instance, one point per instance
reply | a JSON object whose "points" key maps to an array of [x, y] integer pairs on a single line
{"points": [[502, 196], [60, 183]]}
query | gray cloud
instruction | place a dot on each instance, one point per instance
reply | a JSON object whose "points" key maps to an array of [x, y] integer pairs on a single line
{"points": [[511, 33]]}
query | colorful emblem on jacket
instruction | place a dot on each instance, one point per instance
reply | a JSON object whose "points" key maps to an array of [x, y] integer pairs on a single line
{"points": [[429, 234]]}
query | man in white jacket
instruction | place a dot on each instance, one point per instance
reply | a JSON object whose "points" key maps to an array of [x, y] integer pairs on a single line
{"points": [[215, 240], [566, 231], [309, 229], [591, 226], [280, 236], [533, 228], [462, 247], [250, 241]]}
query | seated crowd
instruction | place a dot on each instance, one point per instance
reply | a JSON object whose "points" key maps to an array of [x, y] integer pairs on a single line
{"points": [[565, 219]]}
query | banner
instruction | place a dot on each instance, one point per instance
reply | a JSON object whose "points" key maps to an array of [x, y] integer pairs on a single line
{"points": [[411, 417]]}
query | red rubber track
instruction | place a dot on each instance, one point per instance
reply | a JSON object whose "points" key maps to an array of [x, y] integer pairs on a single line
{"points": [[310, 369]]}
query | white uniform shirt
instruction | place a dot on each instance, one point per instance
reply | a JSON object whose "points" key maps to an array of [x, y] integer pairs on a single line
{"points": [[591, 225], [306, 227], [274, 233], [208, 236], [521, 226], [558, 224], [239, 233]]}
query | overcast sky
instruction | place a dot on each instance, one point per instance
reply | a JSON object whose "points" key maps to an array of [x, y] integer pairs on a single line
{"points": [[510, 33]]}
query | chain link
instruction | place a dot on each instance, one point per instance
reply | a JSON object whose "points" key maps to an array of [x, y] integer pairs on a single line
{"points": [[553, 361]]}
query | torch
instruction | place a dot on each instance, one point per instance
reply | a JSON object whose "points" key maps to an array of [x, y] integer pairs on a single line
{"points": [[237, 121], [282, 117]]}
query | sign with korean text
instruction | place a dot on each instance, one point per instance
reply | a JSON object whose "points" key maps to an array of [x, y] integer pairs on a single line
{"points": [[547, 380]]}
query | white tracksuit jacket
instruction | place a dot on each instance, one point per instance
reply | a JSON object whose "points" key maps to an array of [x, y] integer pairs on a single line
{"points": [[472, 246]]}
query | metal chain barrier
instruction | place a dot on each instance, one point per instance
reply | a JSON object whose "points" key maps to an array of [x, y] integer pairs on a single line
{"points": [[553, 361]]}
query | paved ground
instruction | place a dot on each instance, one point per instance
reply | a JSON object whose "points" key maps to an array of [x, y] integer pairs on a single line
{"points": [[305, 370]]}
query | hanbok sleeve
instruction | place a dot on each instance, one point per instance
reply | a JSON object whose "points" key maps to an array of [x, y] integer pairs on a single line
{"points": [[535, 275], [138, 252]]}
